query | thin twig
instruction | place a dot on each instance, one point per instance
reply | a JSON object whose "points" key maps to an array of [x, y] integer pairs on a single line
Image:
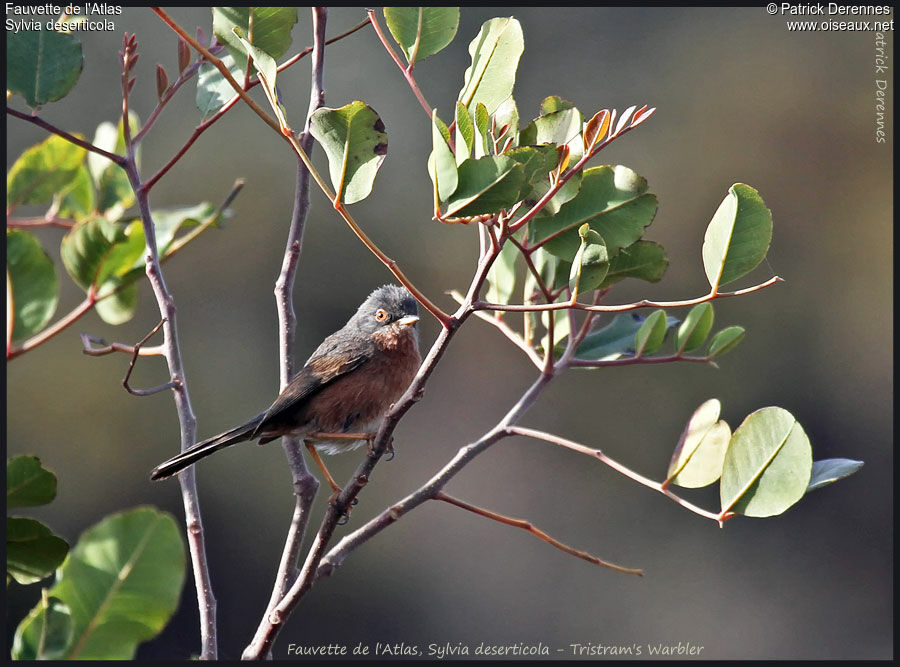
{"points": [[60, 325], [596, 453], [135, 352], [506, 330], [644, 303], [407, 71], [87, 145], [40, 221], [206, 601], [304, 483], [537, 532]]}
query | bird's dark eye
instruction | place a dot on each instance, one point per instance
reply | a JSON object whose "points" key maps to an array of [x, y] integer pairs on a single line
{"points": [[381, 315]]}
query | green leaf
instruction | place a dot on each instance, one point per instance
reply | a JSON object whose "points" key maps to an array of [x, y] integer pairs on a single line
{"points": [[465, 133], [33, 283], [119, 307], [122, 582], [87, 249], [267, 28], [482, 131], [502, 276], [826, 471], [168, 221], [613, 200], [650, 336], [114, 192], [42, 65], [561, 127], [213, 89], [42, 171], [590, 264], [45, 634], [613, 340], [28, 484], [486, 185], [644, 260], [695, 328], [441, 163], [495, 57], [422, 31], [537, 162], [700, 452], [725, 340], [77, 200], [767, 466], [553, 103], [738, 236], [33, 552], [355, 142], [616, 338]]}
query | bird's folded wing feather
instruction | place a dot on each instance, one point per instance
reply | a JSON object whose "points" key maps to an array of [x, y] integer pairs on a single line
{"points": [[318, 372]]}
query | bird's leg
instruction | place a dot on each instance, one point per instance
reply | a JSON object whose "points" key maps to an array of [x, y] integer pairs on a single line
{"points": [[319, 462]]}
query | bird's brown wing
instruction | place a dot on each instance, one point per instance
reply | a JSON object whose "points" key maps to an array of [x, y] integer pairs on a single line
{"points": [[318, 372]]}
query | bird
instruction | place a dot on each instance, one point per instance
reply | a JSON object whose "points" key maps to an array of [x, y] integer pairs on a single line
{"points": [[336, 402]]}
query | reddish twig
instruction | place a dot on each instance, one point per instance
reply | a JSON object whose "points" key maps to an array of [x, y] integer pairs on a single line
{"points": [[87, 145], [407, 70], [640, 479], [531, 528]]}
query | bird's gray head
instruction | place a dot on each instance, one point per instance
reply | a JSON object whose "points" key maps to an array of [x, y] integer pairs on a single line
{"points": [[389, 307]]}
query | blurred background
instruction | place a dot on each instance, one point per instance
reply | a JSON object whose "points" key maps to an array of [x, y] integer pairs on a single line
{"points": [[739, 99]]}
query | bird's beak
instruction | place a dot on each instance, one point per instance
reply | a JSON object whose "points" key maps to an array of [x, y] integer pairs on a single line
{"points": [[408, 320]]}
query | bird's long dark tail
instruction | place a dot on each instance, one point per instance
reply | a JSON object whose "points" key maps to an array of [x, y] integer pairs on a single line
{"points": [[205, 448]]}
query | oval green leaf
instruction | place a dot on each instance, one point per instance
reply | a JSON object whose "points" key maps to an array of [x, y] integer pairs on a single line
{"points": [[422, 31], [650, 336], [644, 260], [45, 634], [441, 162], [695, 328], [560, 127], [725, 340], [612, 340], [213, 89], [32, 282], [28, 483], [42, 65], [501, 278], [699, 455], [738, 236], [767, 466], [33, 552], [465, 133], [122, 582], [827, 471], [43, 171], [495, 55], [114, 192], [486, 185], [355, 143], [613, 200], [267, 28], [590, 264]]}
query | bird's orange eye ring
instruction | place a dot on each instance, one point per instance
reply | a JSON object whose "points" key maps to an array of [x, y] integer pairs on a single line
{"points": [[381, 315]]}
